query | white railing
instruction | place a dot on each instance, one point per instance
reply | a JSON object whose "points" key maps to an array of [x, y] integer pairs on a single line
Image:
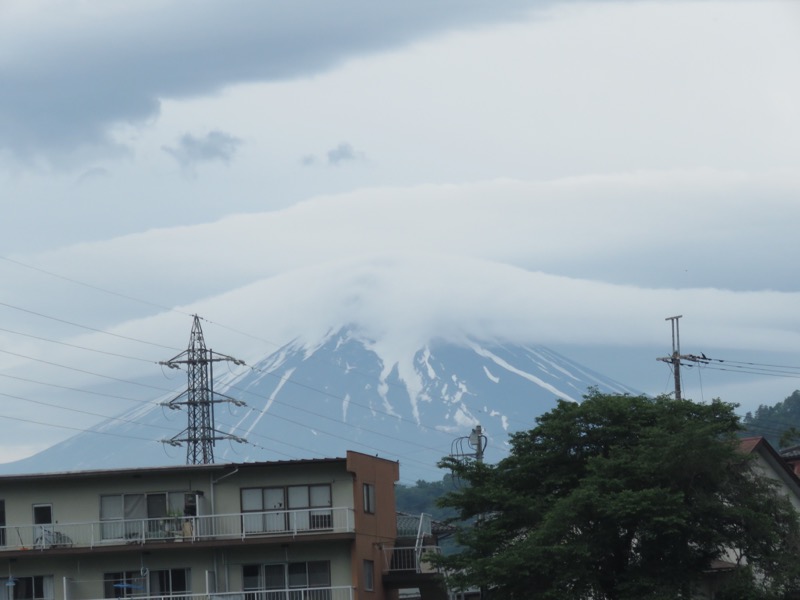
{"points": [[180, 529], [327, 593], [317, 593], [410, 558]]}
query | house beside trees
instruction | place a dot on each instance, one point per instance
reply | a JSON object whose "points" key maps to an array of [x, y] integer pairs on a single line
{"points": [[628, 497]]}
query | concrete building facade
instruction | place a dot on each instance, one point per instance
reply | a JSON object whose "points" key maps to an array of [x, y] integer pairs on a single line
{"points": [[316, 529]]}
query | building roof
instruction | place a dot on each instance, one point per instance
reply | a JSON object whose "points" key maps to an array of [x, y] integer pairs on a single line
{"points": [[749, 445], [791, 452], [212, 467]]}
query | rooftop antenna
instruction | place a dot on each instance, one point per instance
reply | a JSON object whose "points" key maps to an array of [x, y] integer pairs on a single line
{"points": [[199, 398]]}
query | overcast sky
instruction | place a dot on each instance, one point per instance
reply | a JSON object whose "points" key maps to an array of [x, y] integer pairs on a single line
{"points": [[569, 174]]}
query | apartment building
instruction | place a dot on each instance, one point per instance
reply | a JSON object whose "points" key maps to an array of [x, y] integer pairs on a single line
{"points": [[315, 529]]}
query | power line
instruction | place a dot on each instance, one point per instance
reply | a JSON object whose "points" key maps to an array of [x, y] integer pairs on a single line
{"points": [[116, 335], [115, 434], [54, 364], [93, 287], [72, 389], [107, 353], [746, 370], [83, 412]]}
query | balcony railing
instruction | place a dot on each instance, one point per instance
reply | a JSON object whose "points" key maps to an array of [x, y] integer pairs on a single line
{"points": [[410, 559], [316, 593], [414, 525], [243, 526]]}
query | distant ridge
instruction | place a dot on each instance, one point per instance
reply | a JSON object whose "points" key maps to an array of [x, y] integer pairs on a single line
{"points": [[322, 397]]}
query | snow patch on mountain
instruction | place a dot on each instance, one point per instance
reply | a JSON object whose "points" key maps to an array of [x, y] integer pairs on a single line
{"points": [[345, 391], [493, 378], [508, 367], [345, 404], [426, 362]]}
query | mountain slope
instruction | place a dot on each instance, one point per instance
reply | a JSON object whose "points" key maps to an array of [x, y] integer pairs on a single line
{"points": [[347, 392]]}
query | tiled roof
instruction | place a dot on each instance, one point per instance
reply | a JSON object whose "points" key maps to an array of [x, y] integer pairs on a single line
{"points": [[748, 444]]}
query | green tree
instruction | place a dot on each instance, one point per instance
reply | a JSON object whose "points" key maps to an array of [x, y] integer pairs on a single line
{"points": [[622, 497], [779, 423], [423, 497]]}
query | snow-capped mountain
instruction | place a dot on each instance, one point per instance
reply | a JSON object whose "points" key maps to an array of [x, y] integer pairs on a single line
{"points": [[343, 392]]}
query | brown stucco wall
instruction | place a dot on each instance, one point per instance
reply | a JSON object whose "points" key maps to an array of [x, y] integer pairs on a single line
{"points": [[377, 531]]}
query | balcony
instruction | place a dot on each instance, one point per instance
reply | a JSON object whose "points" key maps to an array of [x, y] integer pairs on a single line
{"points": [[237, 526], [410, 559], [316, 593], [407, 567]]}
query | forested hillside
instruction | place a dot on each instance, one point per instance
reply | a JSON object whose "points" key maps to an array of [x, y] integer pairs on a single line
{"points": [[422, 497], [779, 423]]}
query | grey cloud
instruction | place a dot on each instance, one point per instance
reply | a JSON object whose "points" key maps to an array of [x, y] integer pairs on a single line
{"points": [[309, 160], [215, 146], [344, 152], [93, 174], [73, 74]]}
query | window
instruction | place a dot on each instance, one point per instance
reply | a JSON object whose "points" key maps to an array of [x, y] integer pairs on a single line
{"points": [[297, 507], [264, 500], [169, 582], [2, 522], [44, 536], [123, 584], [369, 498], [136, 515], [38, 587], [319, 573], [369, 575], [276, 579], [42, 514], [251, 580]]}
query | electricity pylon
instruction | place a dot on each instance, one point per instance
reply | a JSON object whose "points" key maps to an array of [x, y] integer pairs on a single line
{"points": [[199, 398]]}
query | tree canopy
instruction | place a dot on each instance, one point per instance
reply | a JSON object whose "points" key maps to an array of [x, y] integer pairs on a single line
{"points": [[779, 423], [423, 497], [623, 497]]}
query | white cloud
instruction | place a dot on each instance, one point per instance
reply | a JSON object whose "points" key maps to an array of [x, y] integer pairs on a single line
{"points": [[569, 261], [669, 230]]}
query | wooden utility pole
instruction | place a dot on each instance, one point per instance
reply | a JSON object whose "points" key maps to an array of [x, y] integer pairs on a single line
{"points": [[675, 358]]}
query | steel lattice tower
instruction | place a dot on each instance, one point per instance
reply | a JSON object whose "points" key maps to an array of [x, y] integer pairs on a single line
{"points": [[199, 398]]}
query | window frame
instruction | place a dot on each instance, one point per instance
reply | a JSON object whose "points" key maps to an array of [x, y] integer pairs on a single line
{"points": [[131, 578], [369, 575], [369, 498], [310, 571], [312, 509], [2, 522], [168, 576], [129, 510], [36, 583]]}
